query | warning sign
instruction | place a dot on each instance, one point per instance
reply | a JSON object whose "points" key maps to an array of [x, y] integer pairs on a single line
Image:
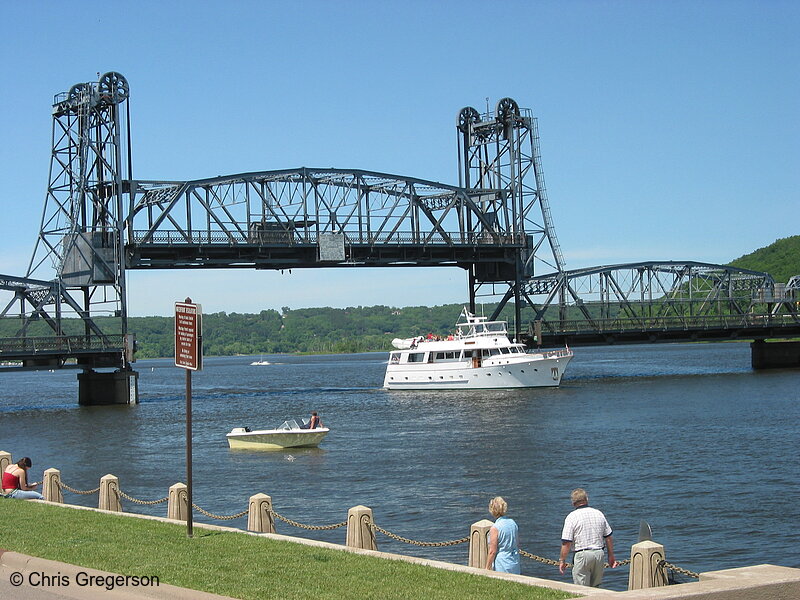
{"points": [[188, 335]]}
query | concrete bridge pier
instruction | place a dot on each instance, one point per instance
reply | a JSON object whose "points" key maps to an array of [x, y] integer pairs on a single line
{"points": [[96, 388], [774, 355]]}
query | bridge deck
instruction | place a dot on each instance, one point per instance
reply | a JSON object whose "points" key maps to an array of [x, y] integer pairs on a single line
{"points": [[52, 352], [286, 250], [670, 329]]}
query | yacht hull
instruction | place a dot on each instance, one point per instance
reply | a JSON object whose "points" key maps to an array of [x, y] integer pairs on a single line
{"points": [[536, 372]]}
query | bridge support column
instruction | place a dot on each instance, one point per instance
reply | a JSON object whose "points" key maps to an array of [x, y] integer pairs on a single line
{"points": [[119, 387], [774, 355]]}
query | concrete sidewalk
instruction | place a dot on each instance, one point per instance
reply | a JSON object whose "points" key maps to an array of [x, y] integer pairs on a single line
{"points": [[25, 577]]}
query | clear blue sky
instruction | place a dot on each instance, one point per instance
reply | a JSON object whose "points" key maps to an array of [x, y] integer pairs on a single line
{"points": [[669, 130]]}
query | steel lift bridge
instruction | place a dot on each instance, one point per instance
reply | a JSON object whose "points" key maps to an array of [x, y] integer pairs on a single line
{"points": [[98, 222]]}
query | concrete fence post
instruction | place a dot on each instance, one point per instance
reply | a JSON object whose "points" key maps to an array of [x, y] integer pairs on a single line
{"points": [[645, 572], [359, 528], [5, 460], [259, 517], [479, 543], [178, 503], [109, 498], [50, 488]]}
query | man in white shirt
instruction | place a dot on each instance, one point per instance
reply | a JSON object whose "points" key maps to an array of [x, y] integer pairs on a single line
{"points": [[587, 531]]}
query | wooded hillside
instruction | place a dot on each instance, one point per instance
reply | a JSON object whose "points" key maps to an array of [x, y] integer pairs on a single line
{"points": [[781, 259]]}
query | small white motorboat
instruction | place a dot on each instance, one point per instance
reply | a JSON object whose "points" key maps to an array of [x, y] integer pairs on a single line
{"points": [[260, 363], [288, 435]]}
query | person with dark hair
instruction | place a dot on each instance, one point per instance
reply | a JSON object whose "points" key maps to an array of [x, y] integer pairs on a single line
{"points": [[15, 481], [313, 423]]}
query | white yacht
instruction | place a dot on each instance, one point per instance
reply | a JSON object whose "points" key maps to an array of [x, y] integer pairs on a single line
{"points": [[479, 355]]}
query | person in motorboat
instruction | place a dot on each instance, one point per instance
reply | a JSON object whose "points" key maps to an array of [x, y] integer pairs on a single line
{"points": [[15, 481], [314, 422]]}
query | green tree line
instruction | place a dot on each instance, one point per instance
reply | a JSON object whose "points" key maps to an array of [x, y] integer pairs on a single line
{"points": [[781, 259], [306, 330]]}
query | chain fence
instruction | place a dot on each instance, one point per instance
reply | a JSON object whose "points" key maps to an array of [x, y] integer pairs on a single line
{"points": [[621, 563], [137, 501], [677, 569], [398, 538], [220, 517], [373, 526], [64, 486], [541, 559], [309, 527]]}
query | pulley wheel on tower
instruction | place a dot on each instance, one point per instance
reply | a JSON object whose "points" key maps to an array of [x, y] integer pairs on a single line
{"points": [[113, 88], [506, 109], [78, 90], [468, 116]]}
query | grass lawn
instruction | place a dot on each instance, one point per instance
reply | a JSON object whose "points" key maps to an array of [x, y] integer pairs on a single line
{"points": [[232, 564]]}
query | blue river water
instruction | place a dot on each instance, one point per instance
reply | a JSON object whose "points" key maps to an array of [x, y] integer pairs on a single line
{"points": [[684, 436]]}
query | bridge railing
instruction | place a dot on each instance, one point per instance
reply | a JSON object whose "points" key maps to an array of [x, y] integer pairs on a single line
{"points": [[62, 344], [670, 323], [291, 237]]}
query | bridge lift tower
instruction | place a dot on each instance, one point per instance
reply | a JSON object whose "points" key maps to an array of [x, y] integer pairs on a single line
{"points": [[500, 164], [81, 234]]}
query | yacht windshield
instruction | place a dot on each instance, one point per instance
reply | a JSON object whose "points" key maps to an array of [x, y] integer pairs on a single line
{"points": [[478, 326]]}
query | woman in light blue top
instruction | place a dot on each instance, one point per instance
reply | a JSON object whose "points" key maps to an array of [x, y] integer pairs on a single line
{"points": [[503, 545]]}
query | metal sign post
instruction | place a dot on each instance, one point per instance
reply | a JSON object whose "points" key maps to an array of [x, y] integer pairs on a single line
{"points": [[189, 356]]}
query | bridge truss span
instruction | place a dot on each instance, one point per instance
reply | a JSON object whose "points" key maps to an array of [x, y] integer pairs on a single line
{"points": [[661, 301], [42, 341], [311, 217]]}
